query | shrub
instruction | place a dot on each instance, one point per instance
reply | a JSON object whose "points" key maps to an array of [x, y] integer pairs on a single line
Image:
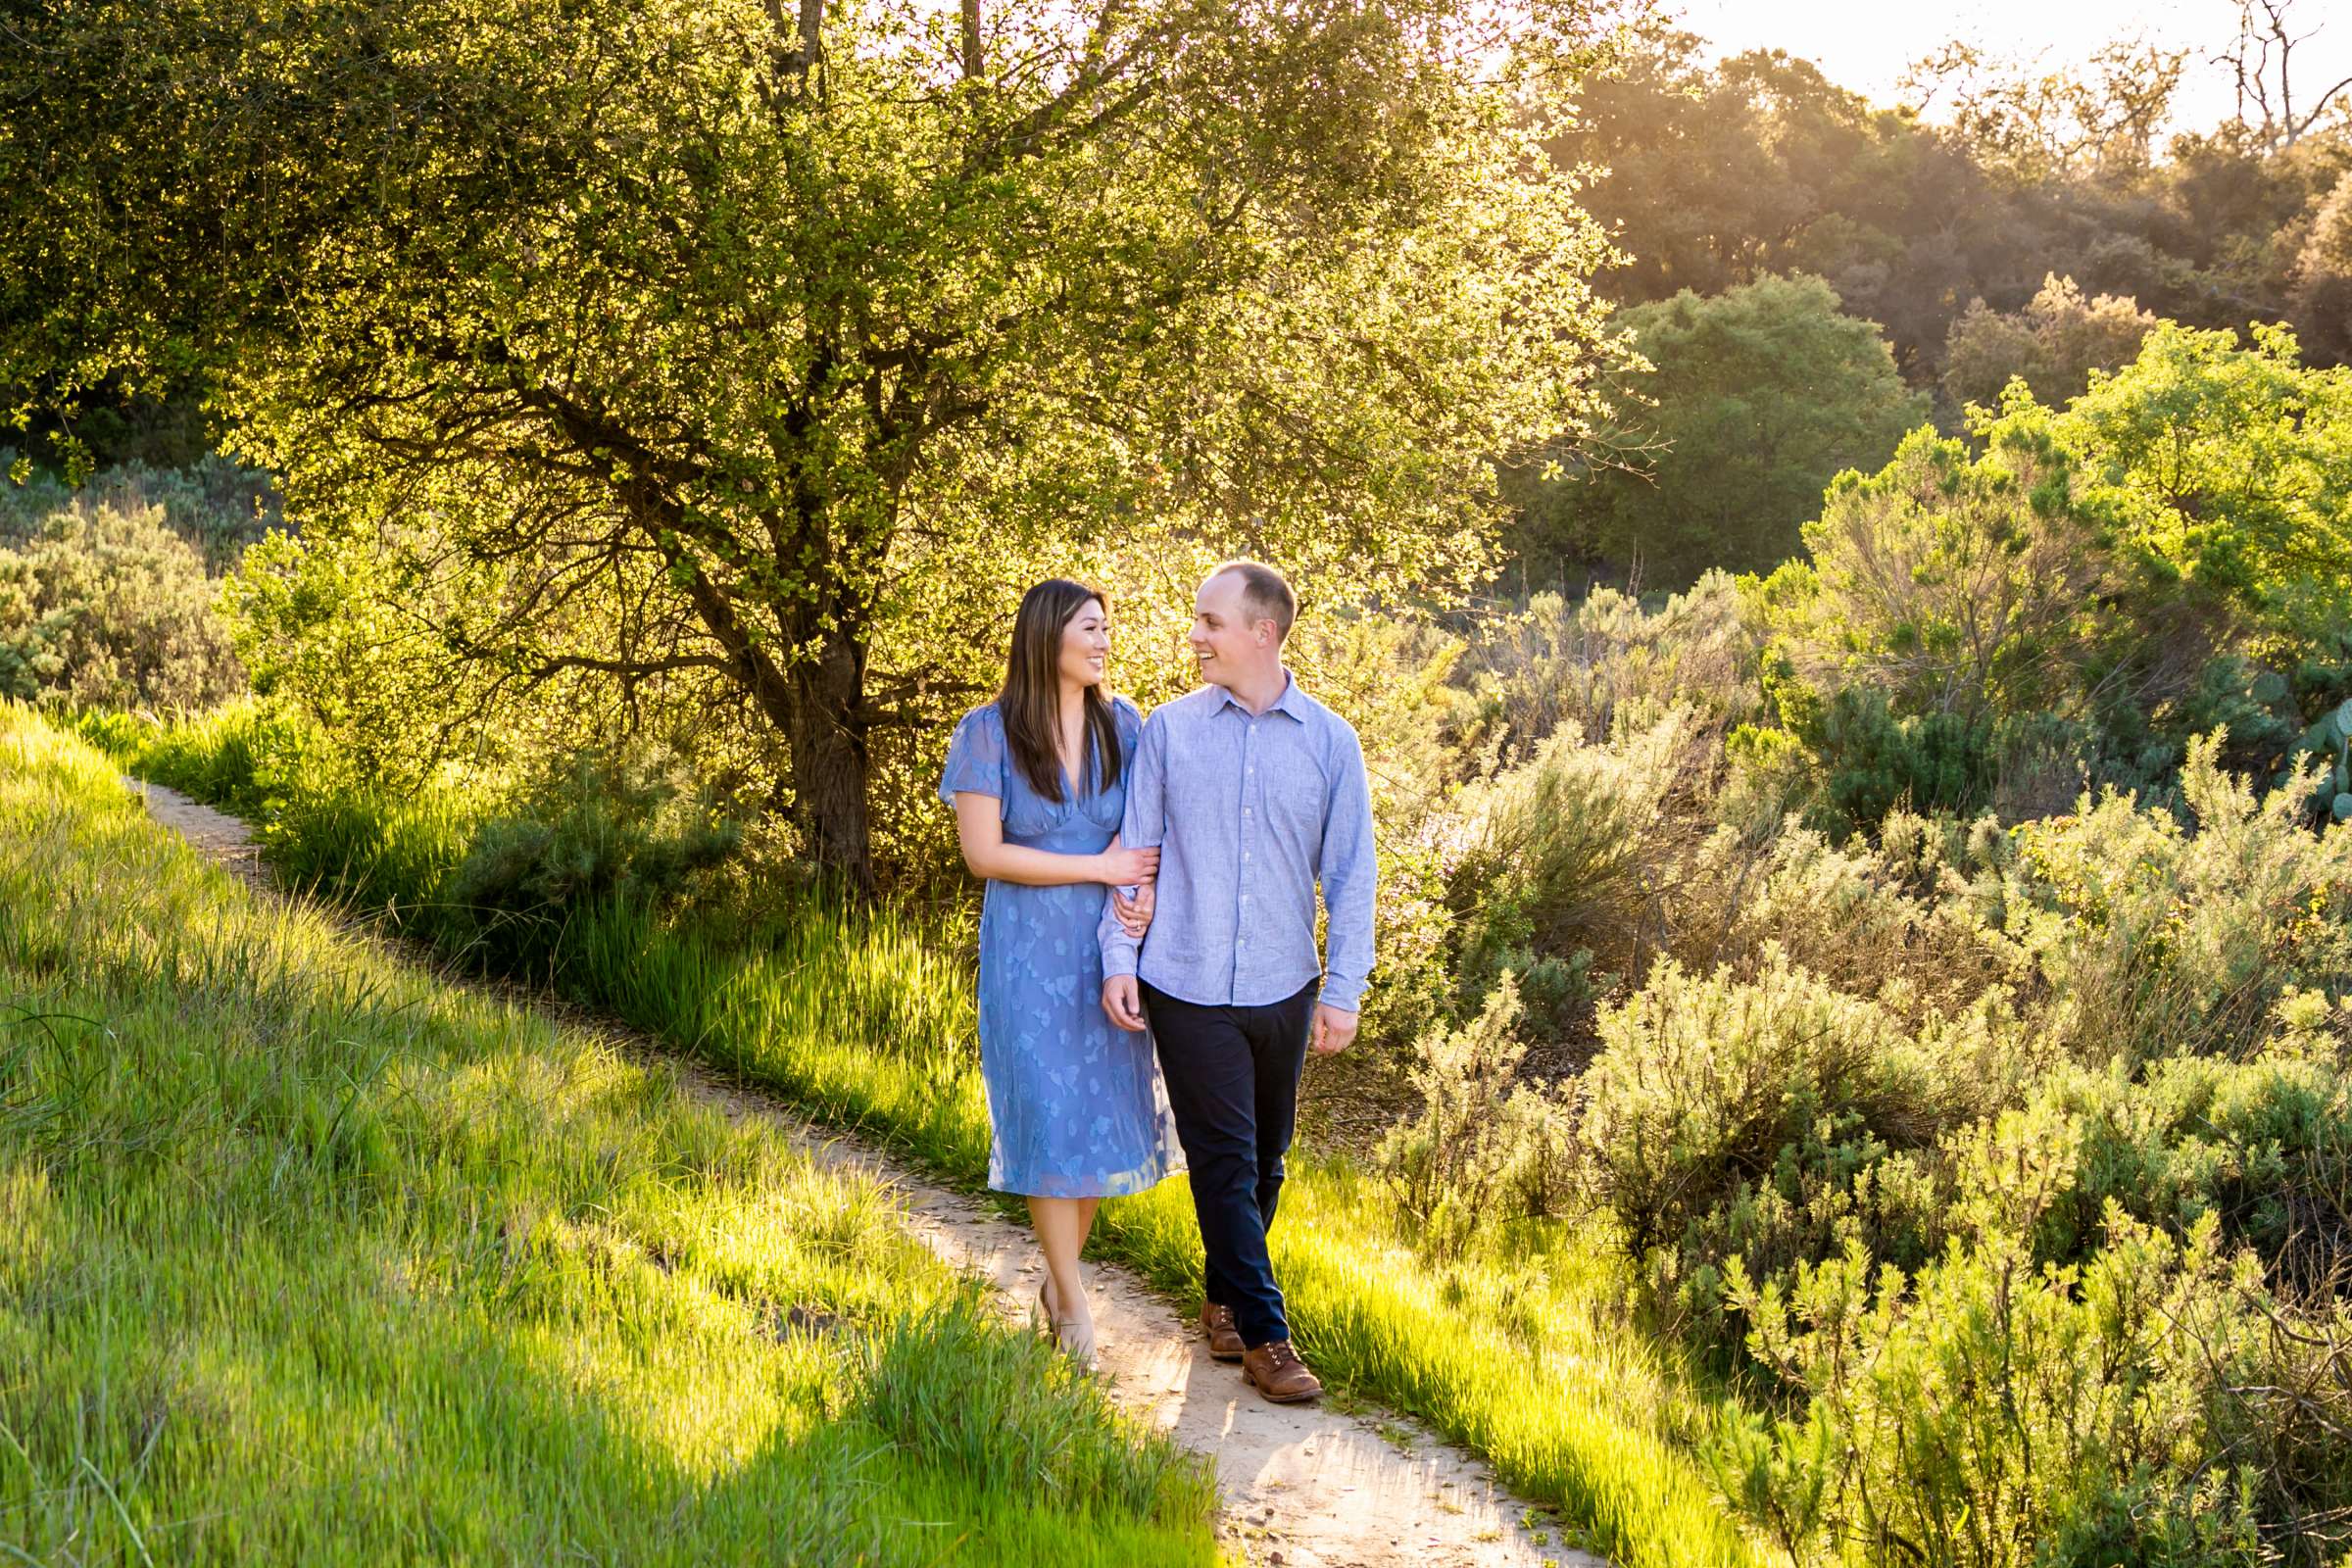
{"points": [[1761, 1118], [1988, 1413], [2154, 1400], [1874, 762], [2150, 938], [215, 504], [2256, 708], [1895, 921], [1587, 662], [1487, 1148], [1949, 582], [623, 828], [1955, 608], [1570, 854], [105, 607], [2264, 1147]]}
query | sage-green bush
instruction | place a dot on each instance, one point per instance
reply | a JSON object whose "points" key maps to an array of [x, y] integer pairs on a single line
{"points": [[2145, 937], [1557, 664], [1775, 1119], [2263, 1147], [106, 605], [2033, 1199], [1488, 1145], [1568, 864], [1842, 910], [609, 827], [1986, 1412], [217, 505]]}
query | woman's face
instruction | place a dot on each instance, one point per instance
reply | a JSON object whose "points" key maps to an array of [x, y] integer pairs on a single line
{"points": [[1085, 644]]}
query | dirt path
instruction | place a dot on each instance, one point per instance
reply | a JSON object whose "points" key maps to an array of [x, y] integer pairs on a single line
{"points": [[1305, 1487], [222, 839]]}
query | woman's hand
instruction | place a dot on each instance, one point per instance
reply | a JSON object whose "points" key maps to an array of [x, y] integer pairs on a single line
{"points": [[1135, 914], [1125, 868]]}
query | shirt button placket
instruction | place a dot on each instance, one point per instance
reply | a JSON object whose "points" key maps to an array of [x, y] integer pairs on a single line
{"points": [[1248, 771]]}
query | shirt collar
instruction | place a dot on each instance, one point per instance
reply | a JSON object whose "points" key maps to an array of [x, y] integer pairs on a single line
{"points": [[1293, 701]]}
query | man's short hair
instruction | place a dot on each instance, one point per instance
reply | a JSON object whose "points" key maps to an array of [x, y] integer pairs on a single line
{"points": [[1265, 594]]}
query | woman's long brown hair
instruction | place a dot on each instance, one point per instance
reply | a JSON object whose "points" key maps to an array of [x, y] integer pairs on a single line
{"points": [[1031, 701]]}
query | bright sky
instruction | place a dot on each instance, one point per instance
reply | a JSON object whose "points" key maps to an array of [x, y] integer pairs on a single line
{"points": [[1865, 44]]}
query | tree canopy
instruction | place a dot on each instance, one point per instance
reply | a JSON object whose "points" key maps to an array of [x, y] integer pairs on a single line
{"points": [[2231, 465], [1711, 176], [731, 358], [1754, 400], [2053, 344]]}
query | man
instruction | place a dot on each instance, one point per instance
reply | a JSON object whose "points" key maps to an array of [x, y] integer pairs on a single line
{"points": [[1253, 793]]}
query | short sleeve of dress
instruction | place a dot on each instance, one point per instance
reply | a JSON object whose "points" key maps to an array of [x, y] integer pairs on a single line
{"points": [[975, 756], [1129, 721]]}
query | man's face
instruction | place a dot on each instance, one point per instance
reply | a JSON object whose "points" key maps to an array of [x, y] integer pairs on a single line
{"points": [[1226, 642]]}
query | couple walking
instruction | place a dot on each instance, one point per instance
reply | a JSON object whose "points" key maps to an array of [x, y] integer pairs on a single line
{"points": [[1150, 980]]}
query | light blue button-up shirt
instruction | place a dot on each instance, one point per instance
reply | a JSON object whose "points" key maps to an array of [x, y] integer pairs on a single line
{"points": [[1249, 811]]}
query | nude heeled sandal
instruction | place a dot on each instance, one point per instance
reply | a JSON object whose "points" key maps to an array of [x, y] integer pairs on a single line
{"points": [[1074, 1336]]}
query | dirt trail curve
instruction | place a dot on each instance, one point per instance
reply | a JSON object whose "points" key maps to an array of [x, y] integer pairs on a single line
{"points": [[1305, 1487]]}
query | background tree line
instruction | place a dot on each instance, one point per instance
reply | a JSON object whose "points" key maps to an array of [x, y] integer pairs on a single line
{"points": [[2037, 225]]}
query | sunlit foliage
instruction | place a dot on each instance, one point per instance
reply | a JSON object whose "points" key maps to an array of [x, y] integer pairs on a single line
{"points": [[714, 363]]}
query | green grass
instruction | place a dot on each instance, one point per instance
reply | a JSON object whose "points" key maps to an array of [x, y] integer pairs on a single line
{"points": [[867, 1020], [307, 1256]]}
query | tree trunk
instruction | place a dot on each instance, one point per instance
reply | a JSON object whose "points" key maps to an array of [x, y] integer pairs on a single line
{"points": [[973, 62], [816, 702], [806, 33], [831, 759]]}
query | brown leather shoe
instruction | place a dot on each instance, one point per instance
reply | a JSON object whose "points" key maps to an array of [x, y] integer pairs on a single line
{"points": [[1277, 1373], [1224, 1340]]}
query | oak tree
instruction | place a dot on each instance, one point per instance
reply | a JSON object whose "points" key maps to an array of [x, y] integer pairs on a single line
{"points": [[742, 352]]}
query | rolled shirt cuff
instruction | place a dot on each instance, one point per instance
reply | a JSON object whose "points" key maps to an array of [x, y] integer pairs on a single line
{"points": [[1347, 996]]}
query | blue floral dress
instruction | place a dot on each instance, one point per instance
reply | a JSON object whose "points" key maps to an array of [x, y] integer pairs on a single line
{"points": [[1076, 1103]]}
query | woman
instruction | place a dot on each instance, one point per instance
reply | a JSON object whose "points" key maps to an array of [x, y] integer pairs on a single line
{"points": [[1076, 1106]]}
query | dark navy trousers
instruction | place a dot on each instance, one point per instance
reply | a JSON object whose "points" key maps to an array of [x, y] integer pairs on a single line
{"points": [[1233, 1083]]}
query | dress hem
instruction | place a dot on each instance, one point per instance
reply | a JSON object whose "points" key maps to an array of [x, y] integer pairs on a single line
{"points": [[1119, 1184]]}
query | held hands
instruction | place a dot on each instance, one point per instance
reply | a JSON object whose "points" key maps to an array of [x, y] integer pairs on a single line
{"points": [[1135, 914], [1334, 1027], [1123, 1003]]}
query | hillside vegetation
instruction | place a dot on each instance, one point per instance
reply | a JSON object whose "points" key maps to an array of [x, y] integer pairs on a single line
{"points": [[307, 1256], [1922, 970]]}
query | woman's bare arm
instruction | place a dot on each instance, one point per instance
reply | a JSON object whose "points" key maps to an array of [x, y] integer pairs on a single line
{"points": [[980, 830]]}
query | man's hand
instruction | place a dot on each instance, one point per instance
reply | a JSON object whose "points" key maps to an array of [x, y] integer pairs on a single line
{"points": [[1134, 913], [1335, 1028], [1125, 1005]]}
